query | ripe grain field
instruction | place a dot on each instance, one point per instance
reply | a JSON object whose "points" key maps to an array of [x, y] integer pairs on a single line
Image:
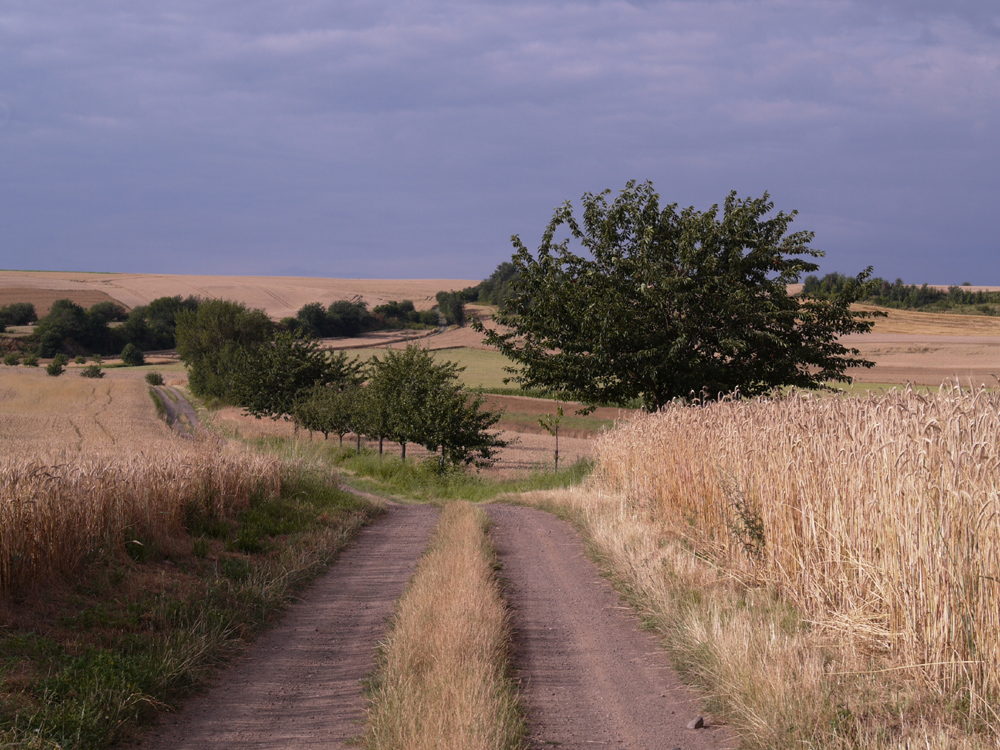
{"points": [[845, 550], [85, 466]]}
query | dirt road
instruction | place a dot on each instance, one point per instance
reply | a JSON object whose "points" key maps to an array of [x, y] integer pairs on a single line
{"points": [[180, 414], [590, 677], [299, 686]]}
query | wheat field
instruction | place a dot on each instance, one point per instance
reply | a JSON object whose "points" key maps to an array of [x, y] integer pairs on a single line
{"points": [[876, 516], [86, 469]]}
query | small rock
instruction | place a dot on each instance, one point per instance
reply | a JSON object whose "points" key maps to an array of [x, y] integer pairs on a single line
{"points": [[696, 723]]}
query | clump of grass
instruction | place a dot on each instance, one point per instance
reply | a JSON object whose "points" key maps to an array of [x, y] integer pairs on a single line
{"points": [[443, 677]]}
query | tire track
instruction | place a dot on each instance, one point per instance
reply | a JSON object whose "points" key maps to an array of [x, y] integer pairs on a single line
{"points": [[299, 686], [590, 678]]}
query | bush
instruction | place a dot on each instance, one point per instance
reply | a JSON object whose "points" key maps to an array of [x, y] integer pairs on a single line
{"points": [[132, 356], [30, 360], [18, 314], [80, 359], [92, 371], [55, 368], [154, 378], [12, 359]]}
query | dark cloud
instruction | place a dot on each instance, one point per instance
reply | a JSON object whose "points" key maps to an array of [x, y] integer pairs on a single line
{"points": [[369, 139]]}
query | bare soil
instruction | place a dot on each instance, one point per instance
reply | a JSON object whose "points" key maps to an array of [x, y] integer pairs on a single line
{"points": [[590, 677], [928, 358], [300, 685]]}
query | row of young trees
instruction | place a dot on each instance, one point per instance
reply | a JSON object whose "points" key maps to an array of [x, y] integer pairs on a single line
{"points": [[236, 355]]}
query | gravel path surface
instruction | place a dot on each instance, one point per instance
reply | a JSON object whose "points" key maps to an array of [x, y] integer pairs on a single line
{"points": [[590, 677], [180, 414], [298, 687]]}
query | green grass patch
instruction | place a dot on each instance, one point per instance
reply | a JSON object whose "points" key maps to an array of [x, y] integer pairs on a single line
{"points": [[483, 367], [421, 480], [136, 633], [161, 409]]}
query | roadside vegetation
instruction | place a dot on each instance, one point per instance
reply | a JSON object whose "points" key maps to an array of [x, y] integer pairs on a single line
{"points": [[824, 568], [443, 670], [133, 562]]}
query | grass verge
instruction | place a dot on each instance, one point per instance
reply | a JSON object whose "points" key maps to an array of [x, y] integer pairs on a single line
{"points": [[442, 680], [776, 677], [423, 481], [85, 662]]}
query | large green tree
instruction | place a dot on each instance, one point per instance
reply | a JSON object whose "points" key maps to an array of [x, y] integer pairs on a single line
{"points": [[212, 338], [662, 303]]}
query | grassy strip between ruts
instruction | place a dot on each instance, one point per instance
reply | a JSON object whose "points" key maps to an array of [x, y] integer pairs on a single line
{"points": [[443, 677], [86, 662]]}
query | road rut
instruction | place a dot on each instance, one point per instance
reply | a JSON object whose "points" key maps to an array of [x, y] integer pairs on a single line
{"points": [[299, 685], [590, 677]]}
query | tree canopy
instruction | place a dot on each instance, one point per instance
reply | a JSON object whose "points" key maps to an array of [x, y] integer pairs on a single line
{"points": [[665, 303], [211, 338]]}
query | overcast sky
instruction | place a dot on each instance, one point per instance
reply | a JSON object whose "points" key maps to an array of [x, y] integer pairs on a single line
{"points": [[411, 138]]}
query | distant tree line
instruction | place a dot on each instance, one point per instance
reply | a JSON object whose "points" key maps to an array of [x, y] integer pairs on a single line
{"points": [[236, 355], [70, 329], [902, 296], [494, 290]]}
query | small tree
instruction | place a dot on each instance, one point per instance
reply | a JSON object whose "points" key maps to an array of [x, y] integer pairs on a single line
{"points": [[132, 356], [403, 382], [55, 368], [550, 423], [80, 359], [30, 360], [11, 359], [92, 371], [270, 380], [459, 426]]}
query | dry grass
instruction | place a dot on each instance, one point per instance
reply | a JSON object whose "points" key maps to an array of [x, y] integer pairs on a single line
{"points": [[442, 680], [875, 517], [86, 469]]}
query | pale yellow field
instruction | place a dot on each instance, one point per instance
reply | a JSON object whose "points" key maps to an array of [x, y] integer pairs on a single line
{"points": [[66, 416], [280, 296]]}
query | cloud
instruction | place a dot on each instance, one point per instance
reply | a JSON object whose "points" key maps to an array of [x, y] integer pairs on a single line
{"points": [[333, 135]]}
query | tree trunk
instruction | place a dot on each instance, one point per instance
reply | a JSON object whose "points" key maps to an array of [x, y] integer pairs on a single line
{"points": [[359, 445], [404, 450], [380, 447]]}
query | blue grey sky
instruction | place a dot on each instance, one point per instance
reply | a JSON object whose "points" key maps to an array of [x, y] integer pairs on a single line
{"points": [[412, 138]]}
